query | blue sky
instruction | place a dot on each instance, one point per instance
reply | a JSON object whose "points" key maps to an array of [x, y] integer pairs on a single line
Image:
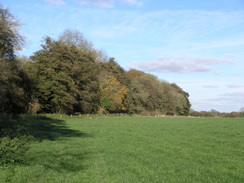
{"points": [[199, 45]]}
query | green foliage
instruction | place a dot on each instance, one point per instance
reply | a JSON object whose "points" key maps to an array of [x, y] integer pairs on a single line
{"points": [[14, 141], [10, 39], [67, 80], [13, 91], [13, 150], [148, 94], [70, 76]]}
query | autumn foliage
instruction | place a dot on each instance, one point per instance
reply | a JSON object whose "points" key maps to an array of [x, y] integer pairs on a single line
{"points": [[68, 75]]}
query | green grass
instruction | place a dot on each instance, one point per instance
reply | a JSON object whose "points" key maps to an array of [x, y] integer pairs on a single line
{"points": [[132, 149]]}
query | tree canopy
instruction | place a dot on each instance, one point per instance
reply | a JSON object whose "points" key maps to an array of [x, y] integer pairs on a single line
{"points": [[68, 75]]}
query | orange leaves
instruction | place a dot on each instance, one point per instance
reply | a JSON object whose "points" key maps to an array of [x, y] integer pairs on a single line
{"points": [[112, 94]]}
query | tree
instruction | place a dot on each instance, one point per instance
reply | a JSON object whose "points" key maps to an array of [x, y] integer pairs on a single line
{"points": [[73, 37], [10, 39], [182, 102], [112, 94], [12, 94], [67, 78], [147, 94], [242, 112], [113, 83]]}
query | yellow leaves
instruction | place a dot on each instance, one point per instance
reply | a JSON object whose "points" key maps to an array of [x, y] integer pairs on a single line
{"points": [[112, 93]]}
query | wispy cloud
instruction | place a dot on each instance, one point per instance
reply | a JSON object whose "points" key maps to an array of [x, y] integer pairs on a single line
{"points": [[233, 97], [229, 55], [210, 86], [235, 86], [170, 66], [179, 65], [210, 60], [110, 3], [132, 2], [59, 2], [101, 3]]}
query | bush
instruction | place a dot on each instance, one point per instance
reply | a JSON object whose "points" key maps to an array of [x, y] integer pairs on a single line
{"points": [[13, 150]]}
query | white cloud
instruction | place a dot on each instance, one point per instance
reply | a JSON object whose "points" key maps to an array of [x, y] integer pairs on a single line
{"points": [[229, 55], [210, 86], [170, 66], [60, 2], [234, 86], [233, 97], [110, 3], [101, 3], [179, 65], [210, 60], [132, 2]]}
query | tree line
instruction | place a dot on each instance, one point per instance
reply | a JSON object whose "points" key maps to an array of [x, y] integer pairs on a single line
{"points": [[68, 75], [215, 113]]}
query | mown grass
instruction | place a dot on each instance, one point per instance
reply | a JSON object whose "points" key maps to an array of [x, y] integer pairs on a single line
{"points": [[132, 149]]}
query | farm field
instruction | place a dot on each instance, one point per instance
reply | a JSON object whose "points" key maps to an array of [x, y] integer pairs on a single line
{"points": [[131, 150]]}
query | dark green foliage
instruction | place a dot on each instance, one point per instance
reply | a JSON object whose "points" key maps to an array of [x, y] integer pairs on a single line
{"points": [[14, 141], [13, 150], [66, 78], [13, 82], [111, 67]]}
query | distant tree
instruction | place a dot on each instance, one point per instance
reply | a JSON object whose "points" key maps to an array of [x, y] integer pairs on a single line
{"points": [[135, 100], [194, 113], [147, 93], [242, 112], [231, 114], [182, 102]]}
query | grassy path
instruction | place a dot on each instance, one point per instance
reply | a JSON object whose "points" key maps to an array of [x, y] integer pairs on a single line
{"points": [[134, 149]]}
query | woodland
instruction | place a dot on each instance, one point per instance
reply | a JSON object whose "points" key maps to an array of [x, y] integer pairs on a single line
{"points": [[68, 75]]}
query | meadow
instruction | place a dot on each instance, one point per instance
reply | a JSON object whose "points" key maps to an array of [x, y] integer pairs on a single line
{"points": [[131, 150]]}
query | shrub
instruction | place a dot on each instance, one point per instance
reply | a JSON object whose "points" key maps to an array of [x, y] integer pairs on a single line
{"points": [[13, 150]]}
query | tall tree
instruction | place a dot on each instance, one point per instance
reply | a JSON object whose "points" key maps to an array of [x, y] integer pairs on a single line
{"points": [[67, 78], [12, 94], [10, 39]]}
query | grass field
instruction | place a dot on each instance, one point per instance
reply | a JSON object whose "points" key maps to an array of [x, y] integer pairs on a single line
{"points": [[131, 150]]}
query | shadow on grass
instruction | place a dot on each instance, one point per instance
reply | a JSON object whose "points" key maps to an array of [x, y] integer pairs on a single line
{"points": [[40, 128]]}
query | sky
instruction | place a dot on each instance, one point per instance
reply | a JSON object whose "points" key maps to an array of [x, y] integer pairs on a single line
{"points": [[199, 45]]}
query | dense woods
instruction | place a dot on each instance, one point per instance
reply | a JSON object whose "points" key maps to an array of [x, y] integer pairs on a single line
{"points": [[69, 76]]}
